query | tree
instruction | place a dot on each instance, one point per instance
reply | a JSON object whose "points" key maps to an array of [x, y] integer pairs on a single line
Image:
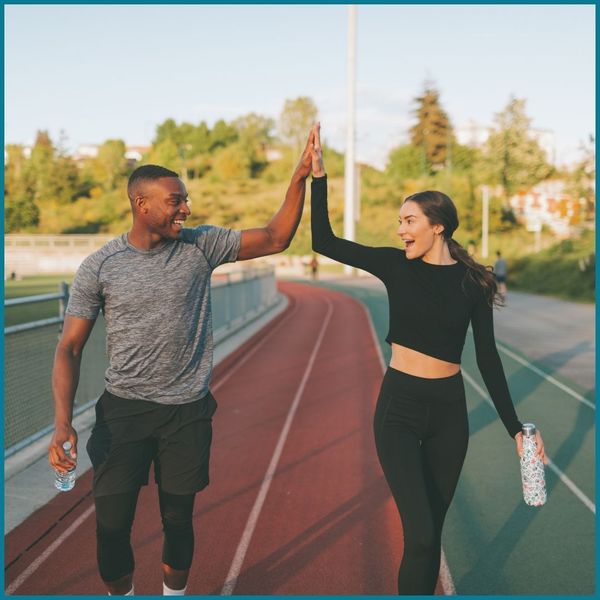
{"points": [[167, 130], [512, 155], [166, 155], [55, 173], [295, 121], [405, 162], [581, 180], [232, 163], [110, 164], [254, 133], [200, 140], [222, 135], [432, 133], [21, 211]]}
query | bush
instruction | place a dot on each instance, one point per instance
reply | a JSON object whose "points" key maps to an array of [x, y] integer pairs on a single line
{"points": [[566, 270]]}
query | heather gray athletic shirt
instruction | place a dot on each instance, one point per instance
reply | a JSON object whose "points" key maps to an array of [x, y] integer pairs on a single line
{"points": [[157, 309]]}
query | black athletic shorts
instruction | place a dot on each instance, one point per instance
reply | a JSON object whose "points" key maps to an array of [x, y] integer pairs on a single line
{"points": [[131, 434]]}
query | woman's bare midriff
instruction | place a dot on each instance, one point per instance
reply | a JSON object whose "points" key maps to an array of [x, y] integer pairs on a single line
{"points": [[419, 364]]}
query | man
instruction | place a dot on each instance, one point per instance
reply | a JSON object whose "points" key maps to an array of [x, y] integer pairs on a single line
{"points": [[153, 286], [501, 272]]}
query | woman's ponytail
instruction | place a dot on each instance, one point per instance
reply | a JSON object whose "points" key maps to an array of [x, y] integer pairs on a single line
{"points": [[479, 274]]}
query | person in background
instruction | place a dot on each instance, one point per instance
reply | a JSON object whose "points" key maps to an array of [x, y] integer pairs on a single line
{"points": [[501, 273]]}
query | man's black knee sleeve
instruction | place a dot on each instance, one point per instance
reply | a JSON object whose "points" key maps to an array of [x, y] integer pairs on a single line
{"points": [[178, 547], [114, 554]]}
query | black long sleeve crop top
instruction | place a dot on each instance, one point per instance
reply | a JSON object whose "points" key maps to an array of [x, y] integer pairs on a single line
{"points": [[430, 305]]}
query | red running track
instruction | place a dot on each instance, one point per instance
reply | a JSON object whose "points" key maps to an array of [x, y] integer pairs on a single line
{"points": [[326, 525]]}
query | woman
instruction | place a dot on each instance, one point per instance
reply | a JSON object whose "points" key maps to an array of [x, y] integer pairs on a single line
{"points": [[421, 430]]}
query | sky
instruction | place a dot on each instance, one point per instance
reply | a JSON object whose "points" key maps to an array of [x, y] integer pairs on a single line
{"points": [[98, 72]]}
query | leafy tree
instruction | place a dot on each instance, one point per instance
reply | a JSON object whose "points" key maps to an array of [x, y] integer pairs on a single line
{"points": [[167, 130], [165, 154], [232, 162], [200, 140], [581, 180], [405, 162], [110, 165], [512, 156], [432, 133], [55, 173], [254, 137], [222, 135], [295, 121], [21, 212]]}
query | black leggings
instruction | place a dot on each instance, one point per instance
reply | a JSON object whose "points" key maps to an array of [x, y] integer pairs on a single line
{"points": [[114, 518], [421, 435]]}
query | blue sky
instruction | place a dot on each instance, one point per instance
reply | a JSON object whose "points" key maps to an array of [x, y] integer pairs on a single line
{"points": [[109, 71]]}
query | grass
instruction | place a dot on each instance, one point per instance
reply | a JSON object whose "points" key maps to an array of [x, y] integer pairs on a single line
{"points": [[31, 286]]}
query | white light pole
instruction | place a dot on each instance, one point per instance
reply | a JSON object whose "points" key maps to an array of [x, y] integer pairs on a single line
{"points": [[485, 217], [349, 174]]}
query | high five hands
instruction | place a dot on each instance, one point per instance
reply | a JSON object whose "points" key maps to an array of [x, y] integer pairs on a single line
{"points": [[312, 155]]}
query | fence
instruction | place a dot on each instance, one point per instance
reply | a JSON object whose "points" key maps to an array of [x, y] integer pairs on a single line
{"points": [[237, 298]]}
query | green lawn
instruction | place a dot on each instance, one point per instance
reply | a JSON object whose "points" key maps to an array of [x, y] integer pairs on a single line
{"points": [[31, 286]]}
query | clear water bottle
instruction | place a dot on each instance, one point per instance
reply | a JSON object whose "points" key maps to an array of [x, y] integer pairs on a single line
{"points": [[532, 469], [65, 481]]}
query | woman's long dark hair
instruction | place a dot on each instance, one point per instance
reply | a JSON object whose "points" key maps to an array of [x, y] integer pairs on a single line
{"points": [[440, 210]]}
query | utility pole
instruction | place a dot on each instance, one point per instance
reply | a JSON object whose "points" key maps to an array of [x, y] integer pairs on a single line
{"points": [[485, 217], [349, 171]]}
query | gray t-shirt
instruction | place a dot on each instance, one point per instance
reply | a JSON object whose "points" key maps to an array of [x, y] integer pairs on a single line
{"points": [[157, 309]]}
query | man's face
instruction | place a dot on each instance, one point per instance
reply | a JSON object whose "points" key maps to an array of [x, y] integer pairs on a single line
{"points": [[165, 206]]}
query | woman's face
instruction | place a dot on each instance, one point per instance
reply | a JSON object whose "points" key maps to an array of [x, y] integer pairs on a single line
{"points": [[415, 230]]}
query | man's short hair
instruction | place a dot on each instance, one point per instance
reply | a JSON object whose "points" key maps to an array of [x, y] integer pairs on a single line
{"points": [[146, 173]]}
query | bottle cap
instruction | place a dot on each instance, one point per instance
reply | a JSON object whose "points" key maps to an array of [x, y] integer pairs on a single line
{"points": [[528, 429], [67, 446]]}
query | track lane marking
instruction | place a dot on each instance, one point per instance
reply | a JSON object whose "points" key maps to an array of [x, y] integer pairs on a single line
{"points": [[240, 553], [546, 376], [566, 480], [33, 567], [445, 576]]}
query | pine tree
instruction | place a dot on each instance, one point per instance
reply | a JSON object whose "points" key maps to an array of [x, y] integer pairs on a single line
{"points": [[432, 133]]}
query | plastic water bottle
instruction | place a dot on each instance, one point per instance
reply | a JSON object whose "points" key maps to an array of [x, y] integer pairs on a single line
{"points": [[65, 481], [532, 469]]}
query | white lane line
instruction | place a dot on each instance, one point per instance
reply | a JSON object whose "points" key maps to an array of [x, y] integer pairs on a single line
{"points": [[240, 553], [445, 575], [35, 565], [247, 356], [547, 377], [568, 482]]}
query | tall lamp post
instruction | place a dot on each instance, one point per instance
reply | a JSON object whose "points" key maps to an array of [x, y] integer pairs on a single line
{"points": [[485, 218], [349, 170]]}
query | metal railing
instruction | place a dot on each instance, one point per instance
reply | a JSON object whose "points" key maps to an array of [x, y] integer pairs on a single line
{"points": [[237, 298]]}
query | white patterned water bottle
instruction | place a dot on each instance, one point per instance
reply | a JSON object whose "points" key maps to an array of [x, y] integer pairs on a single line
{"points": [[532, 469], [65, 481]]}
